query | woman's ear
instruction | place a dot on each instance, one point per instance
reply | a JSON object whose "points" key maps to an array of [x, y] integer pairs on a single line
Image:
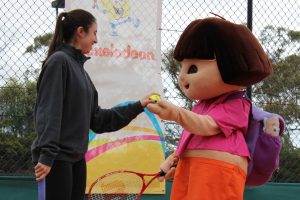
{"points": [[80, 32]]}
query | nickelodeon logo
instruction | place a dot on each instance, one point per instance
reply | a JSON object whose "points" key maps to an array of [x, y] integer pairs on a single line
{"points": [[128, 52]]}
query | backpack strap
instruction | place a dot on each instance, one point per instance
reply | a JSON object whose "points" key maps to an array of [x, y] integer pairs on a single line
{"points": [[255, 111], [238, 95]]}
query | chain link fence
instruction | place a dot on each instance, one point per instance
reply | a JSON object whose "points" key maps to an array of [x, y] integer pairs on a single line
{"points": [[26, 27]]}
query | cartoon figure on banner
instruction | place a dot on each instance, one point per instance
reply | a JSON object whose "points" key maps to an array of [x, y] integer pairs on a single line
{"points": [[218, 59], [118, 13]]}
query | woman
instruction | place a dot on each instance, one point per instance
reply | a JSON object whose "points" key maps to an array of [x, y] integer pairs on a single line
{"points": [[67, 107]]}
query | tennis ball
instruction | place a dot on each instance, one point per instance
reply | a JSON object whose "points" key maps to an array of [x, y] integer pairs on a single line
{"points": [[155, 97]]}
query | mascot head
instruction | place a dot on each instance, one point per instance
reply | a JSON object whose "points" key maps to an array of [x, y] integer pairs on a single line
{"points": [[217, 57]]}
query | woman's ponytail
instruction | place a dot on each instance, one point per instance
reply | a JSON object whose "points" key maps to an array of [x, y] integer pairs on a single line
{"points": [[57, 39], [66, 26]]}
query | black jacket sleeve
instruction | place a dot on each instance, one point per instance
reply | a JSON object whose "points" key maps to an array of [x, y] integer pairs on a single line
{"points": [[49, 106], [108, 120]]}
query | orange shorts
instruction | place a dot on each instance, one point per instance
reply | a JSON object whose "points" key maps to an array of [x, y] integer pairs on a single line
{"points": [[207, 179]]}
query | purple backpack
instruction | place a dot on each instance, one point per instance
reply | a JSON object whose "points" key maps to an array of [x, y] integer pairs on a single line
{"points": [[264, 149]]}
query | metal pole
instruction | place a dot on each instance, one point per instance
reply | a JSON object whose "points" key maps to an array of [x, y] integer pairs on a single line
{"points": [[249, 25], [58, 4]]}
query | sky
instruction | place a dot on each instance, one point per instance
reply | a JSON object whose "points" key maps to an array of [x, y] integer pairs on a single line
{"points": [[22, 20], [177, 14]]}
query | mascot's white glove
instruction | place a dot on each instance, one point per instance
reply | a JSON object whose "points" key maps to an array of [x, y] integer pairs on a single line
{"points": [[168, 167], [271, 126]]}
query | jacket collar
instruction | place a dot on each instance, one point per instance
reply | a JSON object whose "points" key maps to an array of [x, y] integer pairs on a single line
{"points": [[74, 53]]}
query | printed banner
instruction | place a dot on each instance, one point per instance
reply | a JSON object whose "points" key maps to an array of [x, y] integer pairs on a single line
{"points": [[125, 66]]}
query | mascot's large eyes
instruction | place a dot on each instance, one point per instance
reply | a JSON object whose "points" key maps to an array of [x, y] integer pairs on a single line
{"points": [[193, 69]]}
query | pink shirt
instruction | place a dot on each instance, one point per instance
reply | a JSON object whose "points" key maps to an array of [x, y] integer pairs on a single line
{"points": [[231, 115]]}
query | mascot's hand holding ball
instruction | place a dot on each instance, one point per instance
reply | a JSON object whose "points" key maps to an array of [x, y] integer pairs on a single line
{"points": [[218, 58]]}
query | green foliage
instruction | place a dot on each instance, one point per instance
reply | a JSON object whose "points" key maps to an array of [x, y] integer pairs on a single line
{"points": [[39, 42], [289, 170], [280, 92], [17, 103], [279, 42], [294, 35], [15, 155], [17, 129]]}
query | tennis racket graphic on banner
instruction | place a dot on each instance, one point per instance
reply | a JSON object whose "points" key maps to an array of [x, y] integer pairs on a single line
{"points": [[121, 185]]}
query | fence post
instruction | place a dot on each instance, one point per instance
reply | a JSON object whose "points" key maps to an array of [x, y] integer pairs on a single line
{"points": [[249, 25]]}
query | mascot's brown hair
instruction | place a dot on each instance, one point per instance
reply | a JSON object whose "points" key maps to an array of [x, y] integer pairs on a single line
{"points": [[240, 58]]}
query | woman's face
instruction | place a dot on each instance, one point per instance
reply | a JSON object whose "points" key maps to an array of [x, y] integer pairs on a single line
{"points": [[88, 39], [201, 79]]}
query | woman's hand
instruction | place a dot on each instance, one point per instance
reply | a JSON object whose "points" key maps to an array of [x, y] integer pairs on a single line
{"points": [[147, 99], [41, 171]]}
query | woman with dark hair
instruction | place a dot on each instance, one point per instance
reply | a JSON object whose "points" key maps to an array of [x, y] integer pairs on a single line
{"points": [[67, 107]]}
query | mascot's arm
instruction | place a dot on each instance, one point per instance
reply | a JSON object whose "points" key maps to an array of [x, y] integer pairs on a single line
{"points": [[197, 124]]}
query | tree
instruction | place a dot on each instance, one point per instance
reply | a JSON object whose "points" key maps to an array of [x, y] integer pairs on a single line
{"points": [[17, 129], [17, 101], [39, 42]]}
